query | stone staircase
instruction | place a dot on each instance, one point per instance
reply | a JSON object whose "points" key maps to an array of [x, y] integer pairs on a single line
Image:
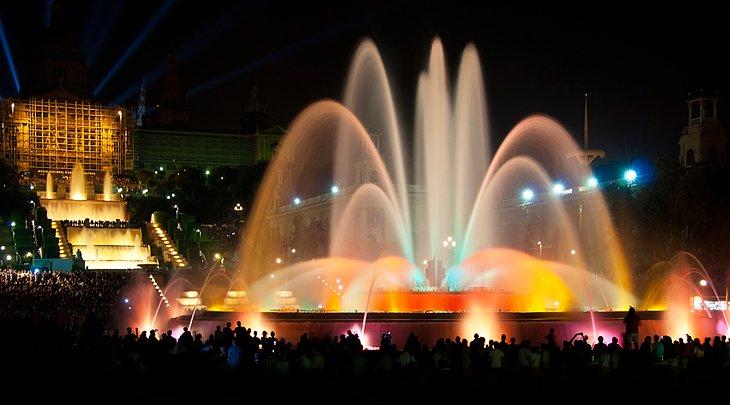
{"points": [[163, 240], [64, 249]]}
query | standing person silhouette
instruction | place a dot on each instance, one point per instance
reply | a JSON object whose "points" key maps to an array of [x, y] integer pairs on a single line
{"points": [[631, 338]]}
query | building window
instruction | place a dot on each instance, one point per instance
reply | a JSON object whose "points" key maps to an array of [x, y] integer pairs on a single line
{"points": [[690, 157], [694, 110], [709, 110]]}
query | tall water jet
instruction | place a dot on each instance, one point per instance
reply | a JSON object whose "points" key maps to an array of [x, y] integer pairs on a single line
{"points": [[454, 220], [108, 196], [49, 186], [78, 183]]}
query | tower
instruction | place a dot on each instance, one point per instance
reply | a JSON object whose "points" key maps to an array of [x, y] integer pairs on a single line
{"points": [[141, 105], [58, 69], [172, 111], [586, 156], [254, 117], [703, 139]]}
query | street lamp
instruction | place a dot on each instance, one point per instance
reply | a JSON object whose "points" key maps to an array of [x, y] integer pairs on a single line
{"points": [[278, 260], [334, 189], [573, 252], [539, 246], [558, 188], [592, 182], [297, 200]]}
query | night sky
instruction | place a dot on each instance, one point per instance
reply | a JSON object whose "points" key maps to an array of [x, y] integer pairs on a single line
{"points": [[638, 62]]}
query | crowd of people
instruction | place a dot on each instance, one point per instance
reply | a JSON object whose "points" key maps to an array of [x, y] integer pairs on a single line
{"points": [[67, 315], [59, 296], [87, 223]]}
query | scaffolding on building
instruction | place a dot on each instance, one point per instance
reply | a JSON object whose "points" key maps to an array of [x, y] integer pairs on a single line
{"points": [[52, 136]]}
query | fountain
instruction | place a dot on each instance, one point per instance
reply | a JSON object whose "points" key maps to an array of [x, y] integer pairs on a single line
{"points": [[451, 232], [109, 244], [108, 196], [78, 183], [439, 240], [49, 186], [79, 207]]}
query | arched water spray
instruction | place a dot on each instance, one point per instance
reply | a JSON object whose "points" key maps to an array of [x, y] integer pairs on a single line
{"points": [[358, 148]]}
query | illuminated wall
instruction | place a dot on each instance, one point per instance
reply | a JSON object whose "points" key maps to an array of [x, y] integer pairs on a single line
{"points": [[50, 135]]}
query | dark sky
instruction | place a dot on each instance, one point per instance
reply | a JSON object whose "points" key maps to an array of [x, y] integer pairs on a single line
{"points": [[638, 62]]}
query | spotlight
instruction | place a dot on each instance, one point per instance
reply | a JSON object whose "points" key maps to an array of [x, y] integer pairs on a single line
{"points": [[558, 188], [630, 175], [592, 182], [703, 283], [528, 194], [207, 172], [278, 260], [126, 300], [334, 190], [8, 257], [297, 200], [572, 252]]}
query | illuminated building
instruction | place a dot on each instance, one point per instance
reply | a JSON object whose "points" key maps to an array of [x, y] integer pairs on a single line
{"points": [[55, 125], [43, 135], [173, 149], [166, 140], [704, 138]]}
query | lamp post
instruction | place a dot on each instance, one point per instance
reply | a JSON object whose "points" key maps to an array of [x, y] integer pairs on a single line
{"points": [[449, 244], [539, 246]]}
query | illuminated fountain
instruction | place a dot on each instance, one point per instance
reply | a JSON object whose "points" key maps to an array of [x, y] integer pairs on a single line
{"points": [[102, 246], [78, 183], [108, 194], [49, 186], [682, 288], [507, 240], [449, 243]]}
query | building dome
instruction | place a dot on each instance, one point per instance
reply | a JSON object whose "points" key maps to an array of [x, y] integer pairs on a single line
{"points": [[58, 68]]}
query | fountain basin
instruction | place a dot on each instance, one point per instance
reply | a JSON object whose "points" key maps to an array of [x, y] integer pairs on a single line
{"points": [[432, 326], [79, 210]]}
